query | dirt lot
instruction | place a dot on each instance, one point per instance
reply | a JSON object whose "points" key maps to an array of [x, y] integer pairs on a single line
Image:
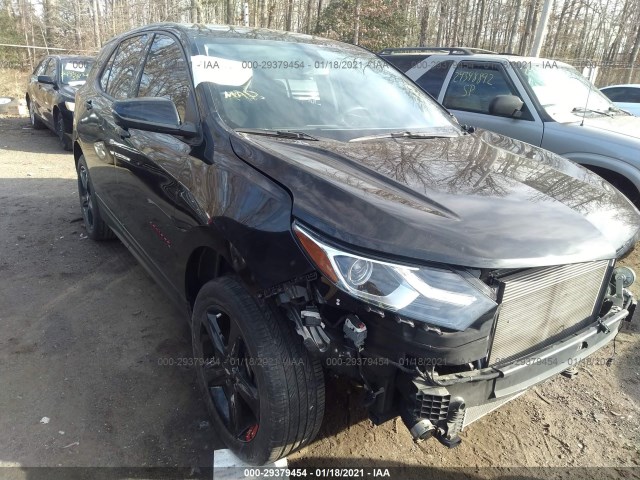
{"points": [[84, 330]]}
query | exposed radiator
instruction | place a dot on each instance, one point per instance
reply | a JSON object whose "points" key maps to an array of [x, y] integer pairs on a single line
{"points": [[543, 305]]}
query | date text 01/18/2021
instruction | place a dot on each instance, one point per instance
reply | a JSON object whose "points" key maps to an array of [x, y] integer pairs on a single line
{"points": [[258, 472]]}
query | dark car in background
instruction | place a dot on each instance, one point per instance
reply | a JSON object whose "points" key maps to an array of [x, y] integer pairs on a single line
{"points": [[625, 96], [310, 209], [51, 93]]}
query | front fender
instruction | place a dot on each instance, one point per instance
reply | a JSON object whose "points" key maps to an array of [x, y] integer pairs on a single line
{"points": [[608, 163]]}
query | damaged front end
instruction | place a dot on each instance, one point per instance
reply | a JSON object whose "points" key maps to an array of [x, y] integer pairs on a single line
{"points": [[443, 347]]}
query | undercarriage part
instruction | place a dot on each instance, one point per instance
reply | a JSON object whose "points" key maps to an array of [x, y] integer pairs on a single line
{"points": [[570, 372], [355, 331], [632, 310], [622, 278], [432, 411], [455, 422], [421, 430], [309, 326]]}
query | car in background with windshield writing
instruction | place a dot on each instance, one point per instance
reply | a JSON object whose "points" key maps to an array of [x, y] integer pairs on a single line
{"points": [[51, 93], [540, 101]]}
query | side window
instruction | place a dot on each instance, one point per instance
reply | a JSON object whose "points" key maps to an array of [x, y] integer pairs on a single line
{"points": [[104, 78], [474, 85], [166, 74], [41, 67], [123, 68], [433, 79], [633, 95], [402, 63], [616, 94], [50, 69]]}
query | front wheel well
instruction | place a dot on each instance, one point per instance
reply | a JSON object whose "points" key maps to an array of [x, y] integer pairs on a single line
{"points": [[77, 153], [622, 183], [204, 264]]}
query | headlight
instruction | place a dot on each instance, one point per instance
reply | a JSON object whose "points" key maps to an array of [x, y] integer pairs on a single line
{"points": [[71, 106], [431, 295]]}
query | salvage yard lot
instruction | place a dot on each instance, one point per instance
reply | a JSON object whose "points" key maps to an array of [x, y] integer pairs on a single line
{"points": [[86, 336]]}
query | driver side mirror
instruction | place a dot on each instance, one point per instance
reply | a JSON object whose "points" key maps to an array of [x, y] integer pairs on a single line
{"points": [[152, 115], [46, 79], [506, 106]]}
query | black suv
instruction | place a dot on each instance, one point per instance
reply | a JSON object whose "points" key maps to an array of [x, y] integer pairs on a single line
{"points": [[51, 93], [312, 209]]}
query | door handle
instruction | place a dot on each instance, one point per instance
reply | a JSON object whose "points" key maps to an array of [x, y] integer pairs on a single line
{"points": [[89, 104]]}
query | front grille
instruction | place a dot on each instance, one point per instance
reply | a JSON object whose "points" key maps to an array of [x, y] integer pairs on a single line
{"points": [[543, 305], [432, 404]]}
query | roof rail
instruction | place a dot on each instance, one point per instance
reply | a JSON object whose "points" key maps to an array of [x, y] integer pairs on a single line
{"points": [[447, 50]]}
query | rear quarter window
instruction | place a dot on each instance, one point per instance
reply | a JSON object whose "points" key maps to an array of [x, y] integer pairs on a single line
{"points": [[433, 78], [119, 75], [402, 62]]}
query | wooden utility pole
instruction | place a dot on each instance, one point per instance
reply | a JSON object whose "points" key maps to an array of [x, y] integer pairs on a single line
{"points": [[541, 31], [356, 24], [96, 24]]}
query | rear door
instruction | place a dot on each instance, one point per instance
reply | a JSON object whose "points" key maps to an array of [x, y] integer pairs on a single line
{"points": [[103, 146], [147, 176], [34, 87], [47, 92], [471, 88]]}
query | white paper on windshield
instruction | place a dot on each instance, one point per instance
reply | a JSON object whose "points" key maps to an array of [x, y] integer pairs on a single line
{"points": [[76, 66], [220, 71]]}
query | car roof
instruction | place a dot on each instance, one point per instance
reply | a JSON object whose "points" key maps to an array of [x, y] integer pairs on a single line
{"points": [[465, 53], [72, 57], [434, 50], [632, 85], [202, 31]]}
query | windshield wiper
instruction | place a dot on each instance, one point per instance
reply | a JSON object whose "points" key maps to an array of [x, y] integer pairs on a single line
{"points": [[619, 110], [278, 133], [401, 135], [590, 110]]}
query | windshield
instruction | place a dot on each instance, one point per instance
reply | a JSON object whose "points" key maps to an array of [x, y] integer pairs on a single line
{"points": [[563, 92], [340, 92], [74, 72]]}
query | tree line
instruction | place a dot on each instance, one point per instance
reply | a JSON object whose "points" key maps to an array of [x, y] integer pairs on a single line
{"points": [[581, 32]]}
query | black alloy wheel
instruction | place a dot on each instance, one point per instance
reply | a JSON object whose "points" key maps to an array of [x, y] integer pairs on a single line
{"points": [[228, 375], [60, 132], [36, 123], [264, 393], [96, 227]]}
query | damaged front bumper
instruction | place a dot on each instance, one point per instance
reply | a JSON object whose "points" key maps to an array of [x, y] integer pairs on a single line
{"points": [[442, 405]]}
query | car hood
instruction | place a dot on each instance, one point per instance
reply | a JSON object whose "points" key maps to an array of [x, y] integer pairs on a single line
{"points": [[627, 125], [482, 200], [68, 91]]}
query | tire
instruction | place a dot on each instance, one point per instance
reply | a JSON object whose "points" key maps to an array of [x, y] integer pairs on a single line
{"points": [[96, 227], [36, 123], [257, 373], [63, 139]]}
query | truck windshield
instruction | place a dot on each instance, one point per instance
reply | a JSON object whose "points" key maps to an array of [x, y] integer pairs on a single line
{"points": [[565, 93], [334, 91]]}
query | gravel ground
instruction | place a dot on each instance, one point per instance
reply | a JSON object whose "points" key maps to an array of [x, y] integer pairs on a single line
{"points": [[85, 333]]}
